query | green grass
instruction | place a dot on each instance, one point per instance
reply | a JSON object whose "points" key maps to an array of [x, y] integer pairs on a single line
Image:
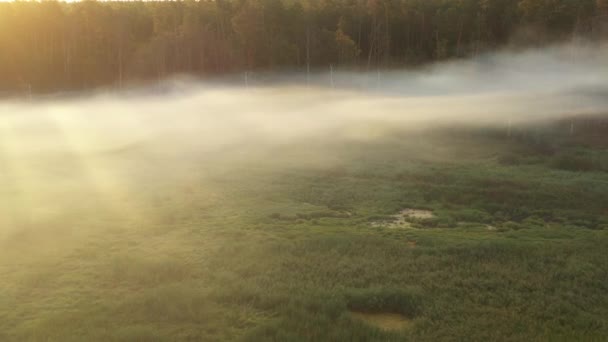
{"points": [[280, 246]]}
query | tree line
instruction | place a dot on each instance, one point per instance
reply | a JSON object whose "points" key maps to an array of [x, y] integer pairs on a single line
{"points": [[49, 45]]}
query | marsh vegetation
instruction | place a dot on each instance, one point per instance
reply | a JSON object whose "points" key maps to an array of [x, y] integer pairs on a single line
{"points": [[260, 247], [419, 210]]}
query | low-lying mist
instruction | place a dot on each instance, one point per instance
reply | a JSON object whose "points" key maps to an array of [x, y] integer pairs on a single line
{"points": [[64, 153], [491, 89]]}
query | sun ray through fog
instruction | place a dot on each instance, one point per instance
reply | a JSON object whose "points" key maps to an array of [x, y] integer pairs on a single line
{"points": [[12, 192], [111, 189]]}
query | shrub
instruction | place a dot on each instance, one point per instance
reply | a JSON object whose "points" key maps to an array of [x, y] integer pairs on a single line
{"points": [[511, 225], [572, 163], [510, 159], [472, 215], [401, 301], [533, 222]]}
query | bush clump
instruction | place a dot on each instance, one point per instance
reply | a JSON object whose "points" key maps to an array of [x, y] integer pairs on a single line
{"points": [[573, 163], [400, 301]]}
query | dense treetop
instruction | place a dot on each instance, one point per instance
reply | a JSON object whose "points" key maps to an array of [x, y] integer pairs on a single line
{"points": [[49, 46]]}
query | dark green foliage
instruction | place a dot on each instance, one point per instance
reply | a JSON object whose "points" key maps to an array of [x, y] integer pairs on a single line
{"points": [[573, 163], [52, 46], [472, 215], [393, 300]]}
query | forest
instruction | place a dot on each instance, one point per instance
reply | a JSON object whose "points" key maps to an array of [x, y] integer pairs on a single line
{"points": [[52, 46]]}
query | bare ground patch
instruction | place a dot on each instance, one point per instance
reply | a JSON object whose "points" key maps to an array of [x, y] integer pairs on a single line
{"points": [[405, 218], [383, 320]]}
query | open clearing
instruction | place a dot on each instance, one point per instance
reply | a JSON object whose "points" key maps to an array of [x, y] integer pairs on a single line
{"points": [[405, 218], [384, 321], [275, 243]]}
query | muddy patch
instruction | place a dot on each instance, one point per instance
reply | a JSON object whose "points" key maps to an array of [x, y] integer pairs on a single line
{"points": [[417, 214], [405, 218], [383, 320]]}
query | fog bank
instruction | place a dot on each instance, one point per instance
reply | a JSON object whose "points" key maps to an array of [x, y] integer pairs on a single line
{"points": [[491, 89]]}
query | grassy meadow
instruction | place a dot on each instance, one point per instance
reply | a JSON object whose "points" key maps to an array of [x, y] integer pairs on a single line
{"points": [[290, 241]]}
